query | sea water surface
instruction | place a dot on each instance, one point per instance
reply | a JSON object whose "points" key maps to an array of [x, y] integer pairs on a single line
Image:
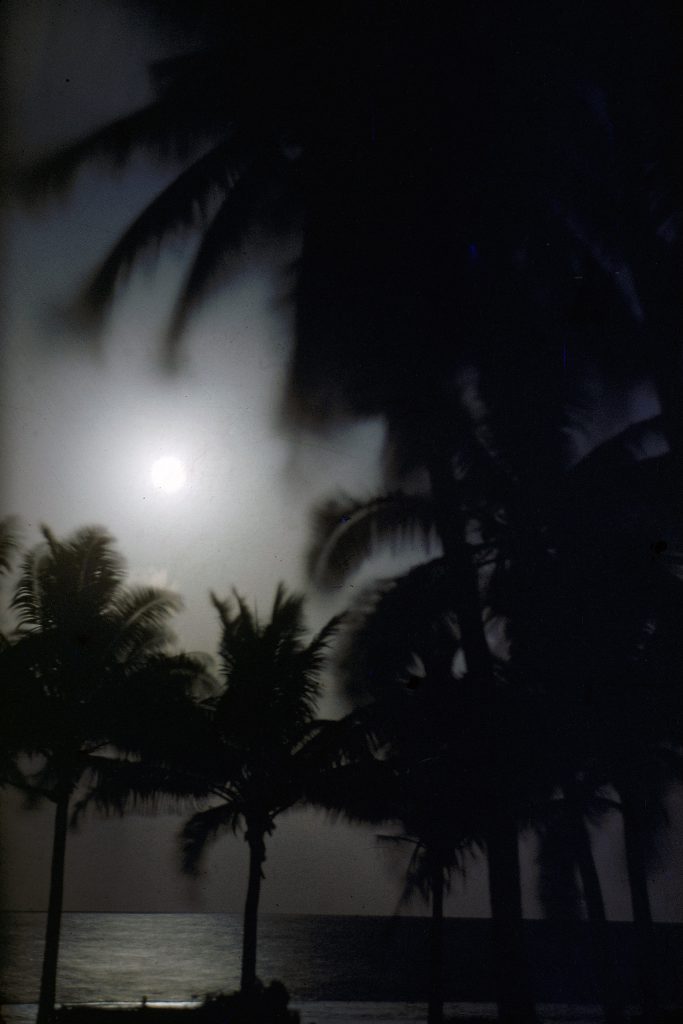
{"points": [[337, 969]]}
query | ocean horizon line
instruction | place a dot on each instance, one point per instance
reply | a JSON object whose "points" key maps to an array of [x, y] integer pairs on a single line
{"points": [[299, 913]]}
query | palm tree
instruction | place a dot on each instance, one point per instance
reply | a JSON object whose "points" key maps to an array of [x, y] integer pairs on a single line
{"points": [[608, 617], [567, 872], [411, 269], [447, 760], [404, 247], [8, 546], [540, 587], [87, 673], [422, 796], [262, 739], [491, 711]]}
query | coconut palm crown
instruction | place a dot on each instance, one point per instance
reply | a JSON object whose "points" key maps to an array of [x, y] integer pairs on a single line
{"points": [[87, 674], [262, 740]]}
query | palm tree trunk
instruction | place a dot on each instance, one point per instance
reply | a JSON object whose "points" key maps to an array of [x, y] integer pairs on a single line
{"points": [[640, 902], [515, 1002], [461, 570], [257, 855], [48, 981], [435, 1014], [603, 950]]}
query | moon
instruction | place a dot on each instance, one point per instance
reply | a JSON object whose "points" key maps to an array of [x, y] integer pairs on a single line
{"points": [[169, 474]]}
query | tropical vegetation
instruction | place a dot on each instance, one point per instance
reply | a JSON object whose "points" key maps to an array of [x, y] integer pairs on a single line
{"points": [[563, 685], [262, 742], [489, 226], [86, 674]]}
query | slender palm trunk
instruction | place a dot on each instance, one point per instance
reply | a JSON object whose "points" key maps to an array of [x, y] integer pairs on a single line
{"points": [[48, 981], [515, 1002], [435, 1014], [462, 572], [640, 901], [603, 950], [257, 855]]}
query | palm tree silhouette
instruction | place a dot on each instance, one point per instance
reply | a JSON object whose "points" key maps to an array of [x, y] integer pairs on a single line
{"points": [[440, 231], [262, 739], [9, 542], [447, 758], [604, 617], [438, 227], [419, 794], [537, 582], [453, 585], [87, 673], [430, 797]]}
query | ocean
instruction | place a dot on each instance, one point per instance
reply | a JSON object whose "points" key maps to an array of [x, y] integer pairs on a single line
{"points": [[337, 969]]}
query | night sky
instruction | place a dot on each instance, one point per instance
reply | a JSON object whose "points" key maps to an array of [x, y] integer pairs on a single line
{"points": [[81, 428]]}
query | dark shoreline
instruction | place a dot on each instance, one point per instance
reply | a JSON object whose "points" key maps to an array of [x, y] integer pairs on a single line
{"points": [[199, 1015], [183, 1013]]}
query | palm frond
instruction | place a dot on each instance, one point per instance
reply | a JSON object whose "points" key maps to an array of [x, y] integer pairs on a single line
{"points": [[84, 570], [362, 792], [183, 205], [318, 646], [204, 826], [264, 716], [286, 616], [68, 584], [9, 541], [139, 619], [300, 666], [153, 709], [419, 875], [27, 600], [274, 651], [389, 624], [117, 785], [100, 563], [223, 609], [347, 532], [352, 739], [177, 123], [241, 632], [224, 237]]}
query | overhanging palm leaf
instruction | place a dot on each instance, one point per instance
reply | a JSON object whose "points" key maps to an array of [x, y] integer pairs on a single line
{"points": [[189, 110], [419, 875], [388, 625], [187, 203], [347, 532], [225, 234], [117, 786], [9, 540], [203, 826]]}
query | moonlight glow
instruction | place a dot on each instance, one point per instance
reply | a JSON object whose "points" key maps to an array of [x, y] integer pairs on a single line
{"points": [[168, 474]]}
